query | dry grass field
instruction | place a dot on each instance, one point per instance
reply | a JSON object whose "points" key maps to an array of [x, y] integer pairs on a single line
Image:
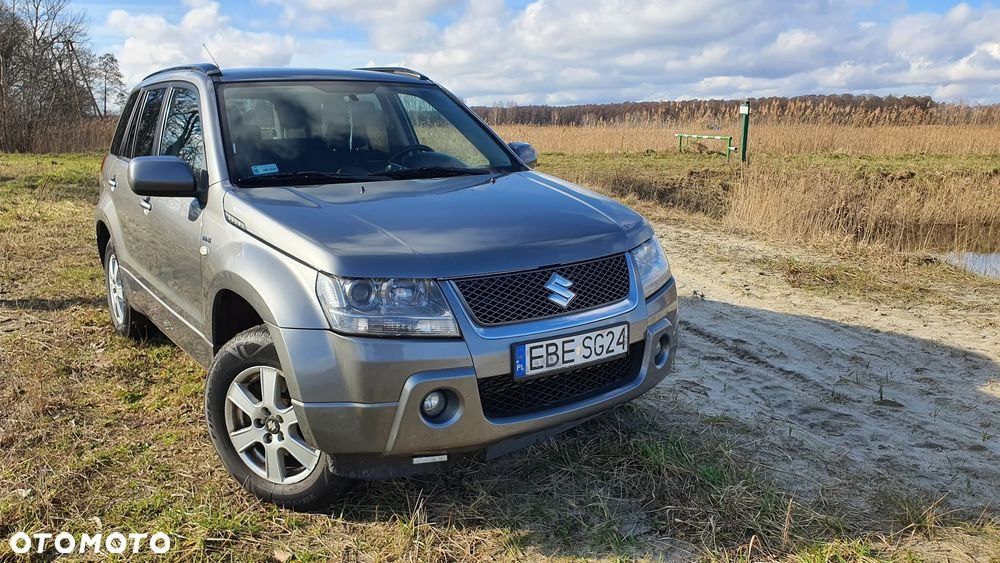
{"points": [[105, 434], [108, 434]]}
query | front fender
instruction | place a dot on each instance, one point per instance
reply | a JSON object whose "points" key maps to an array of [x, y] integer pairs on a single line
{"points": [[280, 289]]}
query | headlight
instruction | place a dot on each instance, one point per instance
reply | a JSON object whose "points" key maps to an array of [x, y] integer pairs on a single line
{"points": [[654, 270], [385, 307]]}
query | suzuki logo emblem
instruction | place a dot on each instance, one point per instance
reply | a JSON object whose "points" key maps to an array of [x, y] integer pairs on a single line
{"points": [[559, 286]]}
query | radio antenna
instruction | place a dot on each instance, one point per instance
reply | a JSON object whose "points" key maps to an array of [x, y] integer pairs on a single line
{"points": [[203, 46]]}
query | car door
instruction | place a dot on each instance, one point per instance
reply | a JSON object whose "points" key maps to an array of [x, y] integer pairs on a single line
{"points": [[132, 210], [115, 166], [173, 224]]}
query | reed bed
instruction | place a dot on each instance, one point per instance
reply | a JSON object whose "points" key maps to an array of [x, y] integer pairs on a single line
{"points": [[792, 139], [829, 109], [90, 134], [902, 210], [925, 188]]}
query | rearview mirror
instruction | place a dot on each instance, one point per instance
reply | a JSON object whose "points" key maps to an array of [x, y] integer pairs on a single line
{"points": [[161, 176], [525, 152]]}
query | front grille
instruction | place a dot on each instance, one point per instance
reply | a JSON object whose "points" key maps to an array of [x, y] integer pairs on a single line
{"points": [[521, 296], [502, 396]]}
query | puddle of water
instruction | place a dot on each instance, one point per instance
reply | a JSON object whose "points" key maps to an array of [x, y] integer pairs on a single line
{"points": [[982, 263]]}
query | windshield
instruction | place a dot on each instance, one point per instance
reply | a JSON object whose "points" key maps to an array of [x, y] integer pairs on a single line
{"points": [[322, 131]]}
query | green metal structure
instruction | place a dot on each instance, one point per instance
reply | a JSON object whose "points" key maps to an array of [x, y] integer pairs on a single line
{"points": [[727, 138], [745, 125], [745, 113]]}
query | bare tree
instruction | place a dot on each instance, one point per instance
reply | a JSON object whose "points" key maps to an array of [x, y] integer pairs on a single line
{"points": [[110, 82], [44, 69]]}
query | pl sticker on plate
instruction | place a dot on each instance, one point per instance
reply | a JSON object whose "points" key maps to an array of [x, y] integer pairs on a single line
{"points": [[259, 169], [569, 352]]}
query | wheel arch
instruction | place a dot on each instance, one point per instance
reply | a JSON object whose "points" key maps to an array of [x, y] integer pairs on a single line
{"points": [[232, 313], [275, 300], [103, 239], [239, 305]]}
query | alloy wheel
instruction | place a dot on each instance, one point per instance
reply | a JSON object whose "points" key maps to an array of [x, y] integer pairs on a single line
{"points": [[263, 428], [116, 291]]}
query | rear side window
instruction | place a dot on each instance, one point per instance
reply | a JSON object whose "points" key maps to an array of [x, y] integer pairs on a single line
{"points": [[182, 136], [146, 125], [116, 143]]}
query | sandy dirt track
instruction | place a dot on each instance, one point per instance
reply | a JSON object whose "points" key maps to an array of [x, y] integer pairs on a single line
{"points": [[839, 400]]}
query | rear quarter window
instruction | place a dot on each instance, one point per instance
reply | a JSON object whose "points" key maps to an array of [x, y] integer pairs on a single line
{"points": [[146, 125], [117, 147]]}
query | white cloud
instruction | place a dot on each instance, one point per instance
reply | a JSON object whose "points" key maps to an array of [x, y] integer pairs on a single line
{"points": [[392, 24], [151, 42], [569, 51]]}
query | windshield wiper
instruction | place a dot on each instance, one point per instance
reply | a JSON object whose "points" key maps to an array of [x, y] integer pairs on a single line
{"points": [[309, 176], [433, 172]]}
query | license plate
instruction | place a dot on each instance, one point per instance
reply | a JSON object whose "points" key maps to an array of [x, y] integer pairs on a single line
{"points": [[569, 352]]}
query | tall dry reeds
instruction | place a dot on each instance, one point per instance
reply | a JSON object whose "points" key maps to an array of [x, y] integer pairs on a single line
{"points": [[932, 187], [899, 209], [836, 109], [89, 134], [790, 189], [774, 139]]}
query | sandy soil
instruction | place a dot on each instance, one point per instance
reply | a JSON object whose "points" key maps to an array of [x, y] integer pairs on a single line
{"points": [[840, 400]]}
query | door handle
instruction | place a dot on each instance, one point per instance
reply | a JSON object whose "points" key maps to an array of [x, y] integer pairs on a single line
{"points": [[145, 204]]}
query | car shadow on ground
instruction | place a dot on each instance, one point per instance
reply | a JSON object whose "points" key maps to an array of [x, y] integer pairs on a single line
{"points": [[856, 428]]}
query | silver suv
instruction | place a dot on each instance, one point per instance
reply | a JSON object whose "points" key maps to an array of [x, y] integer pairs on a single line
{"points": [[376, 283]]}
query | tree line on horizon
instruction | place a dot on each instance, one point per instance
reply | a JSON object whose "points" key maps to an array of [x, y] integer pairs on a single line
{"points": [[830, 109]]}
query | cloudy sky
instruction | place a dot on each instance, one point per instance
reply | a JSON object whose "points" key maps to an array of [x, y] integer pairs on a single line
{"points": [[579, 51]]}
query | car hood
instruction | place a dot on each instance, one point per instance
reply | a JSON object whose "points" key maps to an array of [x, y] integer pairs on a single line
{"points": [[437, 228]]}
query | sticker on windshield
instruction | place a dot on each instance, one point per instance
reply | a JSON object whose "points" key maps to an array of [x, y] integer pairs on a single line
{"points": [[259, 169]]}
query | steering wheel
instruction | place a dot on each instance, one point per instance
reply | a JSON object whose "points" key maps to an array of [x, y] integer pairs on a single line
{"points": [[417, 147]]}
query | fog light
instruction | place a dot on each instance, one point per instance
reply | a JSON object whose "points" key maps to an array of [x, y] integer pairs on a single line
{"points": [[433, 404], [662, 351]]}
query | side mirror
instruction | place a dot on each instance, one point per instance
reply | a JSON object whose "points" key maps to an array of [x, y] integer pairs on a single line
{"points": [[525, 152], [161, 176]]}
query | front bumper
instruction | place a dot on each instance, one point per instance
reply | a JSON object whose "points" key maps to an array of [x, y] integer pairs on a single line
{"points": [[359, 398]]}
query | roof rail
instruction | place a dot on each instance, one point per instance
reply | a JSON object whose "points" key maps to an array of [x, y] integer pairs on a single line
{"points": [[396, 70], [208, 69]]}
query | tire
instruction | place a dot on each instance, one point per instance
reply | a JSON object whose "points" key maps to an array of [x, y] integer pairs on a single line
{"points": [[271, 462], [126, 321]]}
